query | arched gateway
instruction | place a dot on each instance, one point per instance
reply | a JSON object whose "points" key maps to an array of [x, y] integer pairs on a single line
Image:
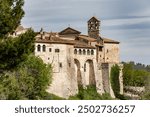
{"points": [[89, 72]]}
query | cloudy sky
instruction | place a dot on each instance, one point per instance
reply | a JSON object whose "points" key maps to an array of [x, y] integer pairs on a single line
{"points": [[127, 21]]}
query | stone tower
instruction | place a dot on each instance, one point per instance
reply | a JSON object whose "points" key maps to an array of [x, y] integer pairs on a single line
{"points": [[93, 27]]}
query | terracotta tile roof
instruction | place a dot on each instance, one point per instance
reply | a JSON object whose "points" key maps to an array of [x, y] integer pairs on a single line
{"points": [[87, 38], [100, 45], [57, 40], [79, 44], [47, 33], [106, 40], [69, 30]]}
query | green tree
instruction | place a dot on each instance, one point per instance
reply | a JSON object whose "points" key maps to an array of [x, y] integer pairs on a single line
{"points": [[127, 74], [134, 76], [13, 51], [139, 77], [146, 95], [11, 13], [40, 75], [29, 81], [22, 76]]}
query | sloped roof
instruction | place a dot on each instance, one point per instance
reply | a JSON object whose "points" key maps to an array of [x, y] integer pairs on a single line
{"points": [[69, 30], [87, 38], [94, 18], [106, 40], [19, 28], [100, 45], [82, 45], [57, 40]]}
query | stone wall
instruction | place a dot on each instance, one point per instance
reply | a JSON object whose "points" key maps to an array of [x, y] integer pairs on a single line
{"points": [[106, 71], [71, 69], [105, 77], [64, 81], [134, 92], [111, 53]]}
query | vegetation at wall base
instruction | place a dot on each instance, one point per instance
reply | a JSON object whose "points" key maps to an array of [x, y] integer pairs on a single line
{"points": [[89, 93], [49, 96]]}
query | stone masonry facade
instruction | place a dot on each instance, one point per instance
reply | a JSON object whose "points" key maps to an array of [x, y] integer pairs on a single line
{"points": [[79, 59]]}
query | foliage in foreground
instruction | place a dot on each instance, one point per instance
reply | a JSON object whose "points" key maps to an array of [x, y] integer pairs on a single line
{"points": [[114, 78], [89, 93], [13, 51], [11, 13], [49, 96], [28, 81], [146, 95]]}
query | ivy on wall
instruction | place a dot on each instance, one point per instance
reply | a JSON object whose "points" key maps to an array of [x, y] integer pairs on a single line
{"points": [[114, 78]]}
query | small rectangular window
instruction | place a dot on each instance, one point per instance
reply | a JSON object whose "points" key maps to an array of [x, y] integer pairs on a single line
{"points": [[50, 49], [57, 50], [100, 49], [60, 65], [69, 64]]}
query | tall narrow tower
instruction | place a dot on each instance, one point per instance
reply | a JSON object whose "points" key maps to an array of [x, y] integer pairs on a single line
{"points": [[93, 27]]}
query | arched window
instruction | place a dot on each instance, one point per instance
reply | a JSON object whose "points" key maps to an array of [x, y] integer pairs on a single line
{"points": [[44, 48], [75, 51], [88, 52], [38, 48], [84, 52], [80, 51], [92, 52]]}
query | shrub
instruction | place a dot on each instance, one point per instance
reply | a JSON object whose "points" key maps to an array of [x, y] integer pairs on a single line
{"points": [[89, 93]]}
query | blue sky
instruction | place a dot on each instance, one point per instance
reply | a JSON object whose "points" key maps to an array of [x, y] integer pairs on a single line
{"points": [[127, 21]]}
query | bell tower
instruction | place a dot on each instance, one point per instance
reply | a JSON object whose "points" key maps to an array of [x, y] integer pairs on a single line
{"points": [[93, 27]]}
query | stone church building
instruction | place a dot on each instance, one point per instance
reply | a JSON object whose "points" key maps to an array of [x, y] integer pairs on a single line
{"points": [[77, 59]]}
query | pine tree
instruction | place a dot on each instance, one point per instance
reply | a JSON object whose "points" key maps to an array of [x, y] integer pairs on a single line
{"points": [[13, 51], [11, 13]]}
